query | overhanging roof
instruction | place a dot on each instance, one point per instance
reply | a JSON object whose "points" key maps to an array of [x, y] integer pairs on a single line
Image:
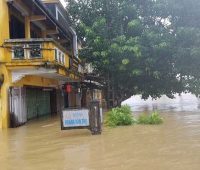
{"points": [[65, 30], [39, 5], [18, 74]]}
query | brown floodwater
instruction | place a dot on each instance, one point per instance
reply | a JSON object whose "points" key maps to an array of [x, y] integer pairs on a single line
{"points": [[41, 145]]}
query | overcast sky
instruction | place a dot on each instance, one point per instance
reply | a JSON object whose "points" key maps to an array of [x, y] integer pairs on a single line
{"points": [[63, 2]]}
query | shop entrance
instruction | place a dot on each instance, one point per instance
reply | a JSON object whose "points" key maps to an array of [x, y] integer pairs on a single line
{"points": [[27, 103], [38, 103]]}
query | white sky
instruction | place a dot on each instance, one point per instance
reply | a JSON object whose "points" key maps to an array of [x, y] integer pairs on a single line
{"points": [[63, 2]]}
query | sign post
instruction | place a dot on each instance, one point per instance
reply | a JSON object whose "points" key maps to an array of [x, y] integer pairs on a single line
{"points": [[95, 118], [83, 118]]}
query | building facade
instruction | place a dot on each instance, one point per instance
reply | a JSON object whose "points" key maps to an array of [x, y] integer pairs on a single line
{"points": [[38, 60]]}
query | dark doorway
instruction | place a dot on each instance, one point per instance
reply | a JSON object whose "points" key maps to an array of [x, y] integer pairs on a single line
{"points": [[66, 100], [17, 28], [53, 102]]}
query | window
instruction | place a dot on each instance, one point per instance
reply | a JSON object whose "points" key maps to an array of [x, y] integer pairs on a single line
{"points": [[63, 58], [80, 69], [56, 54], [59, 56]]}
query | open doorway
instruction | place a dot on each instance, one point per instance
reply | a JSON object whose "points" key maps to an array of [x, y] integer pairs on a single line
{"points": [[17, 28]]}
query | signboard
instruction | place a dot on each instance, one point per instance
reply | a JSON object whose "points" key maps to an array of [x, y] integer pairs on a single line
{"points": [[75, 118]]}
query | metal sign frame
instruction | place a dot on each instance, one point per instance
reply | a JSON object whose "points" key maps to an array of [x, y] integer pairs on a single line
{"points": [[74, 127], [94, 119]]}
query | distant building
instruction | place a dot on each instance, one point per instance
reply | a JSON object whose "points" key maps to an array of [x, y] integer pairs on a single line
{"points": [[92, 87], [40, 72]]}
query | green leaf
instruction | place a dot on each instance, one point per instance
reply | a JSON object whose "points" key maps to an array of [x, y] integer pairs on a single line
{"points": [[125, 61]]}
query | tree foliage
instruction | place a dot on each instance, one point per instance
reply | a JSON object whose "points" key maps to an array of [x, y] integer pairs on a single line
{"points": [[141, 46], [184, 17]]}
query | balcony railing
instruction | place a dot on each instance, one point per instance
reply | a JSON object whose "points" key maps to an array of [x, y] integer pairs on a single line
{"points": [[26, 51], [36, 50]]}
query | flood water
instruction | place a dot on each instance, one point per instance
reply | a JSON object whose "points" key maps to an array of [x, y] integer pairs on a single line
{"points": [[174, 145]]}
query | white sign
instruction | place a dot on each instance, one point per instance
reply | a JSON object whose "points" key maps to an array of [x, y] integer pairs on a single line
{"points": [[76, 118]]}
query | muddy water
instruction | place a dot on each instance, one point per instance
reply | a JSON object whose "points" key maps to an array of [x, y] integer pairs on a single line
{"points": [[41, 145]]}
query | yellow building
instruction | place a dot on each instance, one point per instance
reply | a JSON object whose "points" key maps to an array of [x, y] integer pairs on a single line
{"points": [[38, 57]]}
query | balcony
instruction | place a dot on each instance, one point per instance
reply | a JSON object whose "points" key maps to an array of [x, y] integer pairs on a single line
{"points": [[42, 57], [33, 51]]}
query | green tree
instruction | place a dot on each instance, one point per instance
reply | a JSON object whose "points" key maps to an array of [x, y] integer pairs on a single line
{"points": [[139, 46], [184, 19]]}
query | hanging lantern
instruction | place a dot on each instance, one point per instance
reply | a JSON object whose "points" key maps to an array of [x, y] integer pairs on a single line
{"points": [[68, 88]]}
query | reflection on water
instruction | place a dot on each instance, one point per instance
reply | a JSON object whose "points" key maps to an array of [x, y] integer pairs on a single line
{"points": [[172, 146]]}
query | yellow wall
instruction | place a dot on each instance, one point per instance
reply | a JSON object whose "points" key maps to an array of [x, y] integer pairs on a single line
{"points": [[26, 81], [67, 60], [4, 34], [36, 81], [48, 54], [4, 116], [6, 61], [4, 26]]}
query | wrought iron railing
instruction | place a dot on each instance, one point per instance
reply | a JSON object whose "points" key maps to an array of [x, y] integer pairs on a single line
{"points": [[37, 48], [26, 51]]}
